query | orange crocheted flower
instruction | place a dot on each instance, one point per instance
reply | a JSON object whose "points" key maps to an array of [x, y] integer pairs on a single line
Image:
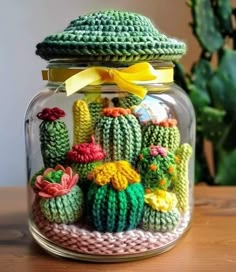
{"points": [[49, 187], [153, 167], [167, 123], [115, 112]]}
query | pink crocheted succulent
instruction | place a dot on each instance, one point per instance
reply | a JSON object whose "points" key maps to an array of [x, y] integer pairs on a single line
{"points": [[56, 182], [158, 150]]}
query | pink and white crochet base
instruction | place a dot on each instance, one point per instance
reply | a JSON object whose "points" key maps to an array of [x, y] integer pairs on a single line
{"points": [[80, 239]]}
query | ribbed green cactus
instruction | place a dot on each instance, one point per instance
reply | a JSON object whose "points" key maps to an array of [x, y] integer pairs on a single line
{"points": [[115, 199], [126, 102], [113, 211], [183, 155], [54, 137], [164, 133], [119, 134], [95, 109], [64, 209], [157, 167], [158, 221]]}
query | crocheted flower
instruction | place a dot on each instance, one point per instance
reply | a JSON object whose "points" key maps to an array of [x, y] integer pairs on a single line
{"points": [[56, 182], [158, 150], [119, 174], [48, 114], [160, 200], [86, 152]]}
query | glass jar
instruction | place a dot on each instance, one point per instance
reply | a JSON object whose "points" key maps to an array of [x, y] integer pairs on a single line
{"points": [[110, 175]]}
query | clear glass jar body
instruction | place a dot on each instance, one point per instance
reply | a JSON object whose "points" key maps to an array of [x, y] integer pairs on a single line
{"points": [[84, 237]]}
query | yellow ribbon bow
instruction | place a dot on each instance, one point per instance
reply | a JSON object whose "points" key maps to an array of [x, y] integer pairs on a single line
{"points": [[126, 79]]}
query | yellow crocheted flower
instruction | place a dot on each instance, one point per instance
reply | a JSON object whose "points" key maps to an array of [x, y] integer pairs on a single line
{"points": [[119, 174], [160, 200]]}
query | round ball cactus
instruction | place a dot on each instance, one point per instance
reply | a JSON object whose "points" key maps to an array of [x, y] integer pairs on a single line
{"points": [[60, 199], [116, 198], [119, 134], [83, 158], [126, 102], [54, 137], [164, 133], [157, 167], [160, 213]]}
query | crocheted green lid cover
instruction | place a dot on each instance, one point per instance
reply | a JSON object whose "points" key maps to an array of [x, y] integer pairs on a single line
{"points": [[111, 36]]}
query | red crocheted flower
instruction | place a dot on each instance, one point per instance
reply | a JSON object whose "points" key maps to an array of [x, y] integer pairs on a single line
{"points": [[48, 114], [86, 152], [50, 189]]}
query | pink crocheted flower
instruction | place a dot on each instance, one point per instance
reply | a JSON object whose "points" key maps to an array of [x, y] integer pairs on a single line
{"points": [[50, 189], [158, 150]]}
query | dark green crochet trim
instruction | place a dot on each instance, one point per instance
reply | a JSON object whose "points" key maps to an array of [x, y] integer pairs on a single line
{"points": [[157, 135], [161, 177], [159, 221], [64, 209], [38, 173], [126, 102], [112, 36], [55, 143], [114, 211], [120, 137]]}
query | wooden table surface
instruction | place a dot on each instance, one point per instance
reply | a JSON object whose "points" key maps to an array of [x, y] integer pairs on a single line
{"points": [[210, 244]]}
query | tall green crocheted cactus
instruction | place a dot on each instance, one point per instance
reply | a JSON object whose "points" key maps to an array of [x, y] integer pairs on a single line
{"points": [[115, 200], [83, 158], [54, 137], [126, 102], [119, 134], [157, 167], [183, 155], [164, 133], [95, 109], [60, 199]]}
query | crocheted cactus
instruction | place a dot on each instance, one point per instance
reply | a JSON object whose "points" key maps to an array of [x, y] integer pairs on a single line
{"points": [[83, 158], [183, 155], [160, 213], [82, 122], [126, 102], [159, 221], [119, 134], [164, 133], [54, 137], [116, 198], [61, 200], [95, 109], [157, 167]]}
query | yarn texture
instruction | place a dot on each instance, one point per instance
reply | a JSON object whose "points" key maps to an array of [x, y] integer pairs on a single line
{"points": [[164, 133], [119, 134], [111, 36], [116, 198], [54, 137], [126, 102]]}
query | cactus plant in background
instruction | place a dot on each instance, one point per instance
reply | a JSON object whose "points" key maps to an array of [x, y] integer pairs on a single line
{"points": [[60, 199], [164, 133], [157, 167], [119, 134], [83, 158], [54, 137], [126, 102], [96, 107], [115, 199], [213, 90]]}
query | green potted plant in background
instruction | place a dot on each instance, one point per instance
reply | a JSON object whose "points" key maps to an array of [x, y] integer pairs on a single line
{"points": [[212, 88]]}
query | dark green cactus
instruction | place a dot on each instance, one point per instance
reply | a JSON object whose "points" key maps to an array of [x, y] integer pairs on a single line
{"points": [[113, 211], [205, 25], [126, 102], [223, 12], [119, 134], [95, 109], [165, 133], [54, 137]]}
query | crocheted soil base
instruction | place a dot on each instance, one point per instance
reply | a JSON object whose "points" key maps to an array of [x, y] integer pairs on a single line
{"points": [[81, 239]]}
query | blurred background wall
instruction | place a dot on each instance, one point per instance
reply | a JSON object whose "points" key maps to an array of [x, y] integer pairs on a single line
{"points": [[23, 24]]}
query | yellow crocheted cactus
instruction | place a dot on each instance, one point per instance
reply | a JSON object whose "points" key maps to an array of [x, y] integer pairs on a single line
{"points": [[183, 155], [161, 200], [120, 174], [82, 122]]}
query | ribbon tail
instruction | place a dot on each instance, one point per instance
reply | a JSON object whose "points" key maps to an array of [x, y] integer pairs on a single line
{"points": [[128, 86], [82, 79]]}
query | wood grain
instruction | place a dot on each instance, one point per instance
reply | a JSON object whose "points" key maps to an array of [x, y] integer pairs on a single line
{"points": [[210, 244]]}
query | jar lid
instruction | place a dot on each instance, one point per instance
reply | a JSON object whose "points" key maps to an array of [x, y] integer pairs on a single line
{"points": [[111, 36]]}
